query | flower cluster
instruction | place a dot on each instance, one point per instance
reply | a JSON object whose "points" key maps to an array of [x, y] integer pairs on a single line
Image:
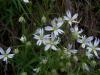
{"points": [[52, 40]]}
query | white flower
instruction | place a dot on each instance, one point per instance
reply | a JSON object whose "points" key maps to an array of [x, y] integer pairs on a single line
{"points": [[23, 39], [85, 67], [69, 50], [74, 51], [51, 43], [94, 46], [56, 24], [44, 61], [36, 69], [89, 54], [39, 35], [26, 1], [75, 31], [70, 18], [83, 40], [5, 55]]}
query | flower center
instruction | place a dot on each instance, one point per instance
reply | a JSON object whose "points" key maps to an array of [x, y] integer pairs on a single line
{"points": [[55, 28], [5, 55]]}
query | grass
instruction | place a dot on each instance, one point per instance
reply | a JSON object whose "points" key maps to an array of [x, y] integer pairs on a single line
{"points": [[30, 54]]}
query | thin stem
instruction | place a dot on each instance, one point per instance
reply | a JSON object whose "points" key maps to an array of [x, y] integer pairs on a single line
{"points": [[5, 70]]}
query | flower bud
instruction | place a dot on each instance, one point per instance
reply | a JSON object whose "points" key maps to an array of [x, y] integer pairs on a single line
{"points": [[75, 58], [23, 39], [85, 67], [54, 72], [16, 51], [23, 73], [43, 19], [21, 19], [93, 63], [28, 43]]}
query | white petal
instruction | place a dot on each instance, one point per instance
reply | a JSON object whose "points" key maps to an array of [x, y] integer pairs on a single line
{"points": [[75, 16], [76, 28], [98, 49], [96, 42], [1, 56], [89, 49], [53, 47], [79, 40], [46, 36], [39, 42], [60, 31], [89, 54], [5, 59], [48, 28], [2, 51], [66, 18], [38, 31], [95, 53], [90, 38], [68, 14], [69, 46], [8, 50], [53, 36], [72, 30], [90, 44], [59, 24], [47, 47], [80, 31], [26, 1], [73, 51], [10, 55], [70, 22], [55, 33], [36, 37]]}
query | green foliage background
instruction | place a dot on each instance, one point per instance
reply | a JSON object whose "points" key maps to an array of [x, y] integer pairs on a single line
{"points": [[11, 30]]}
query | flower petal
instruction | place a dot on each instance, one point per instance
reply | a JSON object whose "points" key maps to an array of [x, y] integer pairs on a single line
{"points": [[59, 24], [80, 31], [66, 18], [2, 51], [90, 38], [89, 49], [8, 50], [55, 33], [47, 47], [76, 28], [5, 59], [75, 16], [10, 55], [96, 42], [39, 42], [53, 47], [98, 49], [70, 22], [60, 31], [95, 52], [36, 37], [79, 40], [48, 28], [1, 56], [68, 14]]}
